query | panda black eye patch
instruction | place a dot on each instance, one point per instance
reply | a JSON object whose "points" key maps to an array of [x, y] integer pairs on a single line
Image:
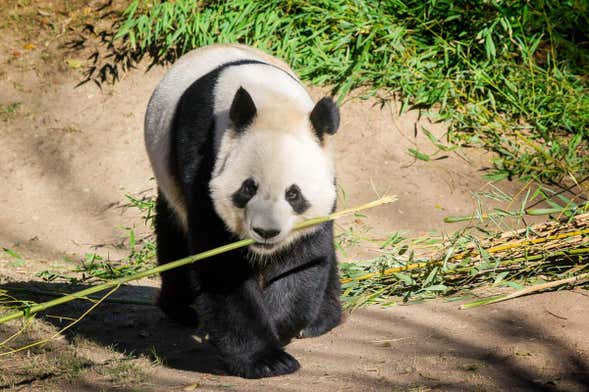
{"points": [[296, 199], [244, 194]]}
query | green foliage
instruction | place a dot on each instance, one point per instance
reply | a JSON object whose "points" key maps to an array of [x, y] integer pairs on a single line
{"points": [[416, 269], [508, 75], [10, 108], [17, 259]]}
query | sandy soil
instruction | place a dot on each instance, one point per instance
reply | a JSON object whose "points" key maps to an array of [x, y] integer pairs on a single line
{"points": [[69, 155]]}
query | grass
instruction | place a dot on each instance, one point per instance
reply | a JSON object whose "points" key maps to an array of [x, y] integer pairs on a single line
{"points": [[51, 362], [510, 76], [54, 365], [124, 372], [8, 111]]}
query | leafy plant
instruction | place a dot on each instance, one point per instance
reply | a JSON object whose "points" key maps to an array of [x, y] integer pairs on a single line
{"points": [[506, 75], [498, 249]]}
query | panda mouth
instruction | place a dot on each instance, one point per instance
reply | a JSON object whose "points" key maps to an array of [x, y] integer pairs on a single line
{"points": [[264, 245]]}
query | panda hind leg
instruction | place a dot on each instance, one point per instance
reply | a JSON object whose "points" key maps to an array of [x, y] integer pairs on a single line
{"points": [[178, 289], [329, 315]]}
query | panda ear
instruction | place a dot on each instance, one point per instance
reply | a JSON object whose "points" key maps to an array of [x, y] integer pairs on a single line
{"points": [[325, 117], [243, 110]]}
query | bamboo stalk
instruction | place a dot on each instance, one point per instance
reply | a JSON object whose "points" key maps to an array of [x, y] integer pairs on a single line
{"points": [[48, 293], [522, 243], [474, 253], [390, 271], [575, 280], [187, 260]]}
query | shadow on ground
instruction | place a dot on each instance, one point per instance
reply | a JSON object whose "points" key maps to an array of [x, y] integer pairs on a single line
{"points": [[127, 328], [432, 345]]}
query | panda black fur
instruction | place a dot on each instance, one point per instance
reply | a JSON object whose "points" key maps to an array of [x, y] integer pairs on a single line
{"points": [[225, 130]]}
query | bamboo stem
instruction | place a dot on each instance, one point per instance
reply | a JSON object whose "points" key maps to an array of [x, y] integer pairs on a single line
{"points": [[178, 263], [575, 280], [48, 293], [494, 249]]}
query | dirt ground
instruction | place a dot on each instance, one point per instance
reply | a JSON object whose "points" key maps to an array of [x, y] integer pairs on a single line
{"points": [[68, 157]]}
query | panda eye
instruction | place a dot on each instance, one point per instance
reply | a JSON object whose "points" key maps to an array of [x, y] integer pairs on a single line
{"points": [[293, 193], [296, 199], [246, 191], [249, 187]]}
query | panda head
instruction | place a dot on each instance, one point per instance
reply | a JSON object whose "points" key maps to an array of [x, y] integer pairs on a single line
{"points": [[274, 169]]}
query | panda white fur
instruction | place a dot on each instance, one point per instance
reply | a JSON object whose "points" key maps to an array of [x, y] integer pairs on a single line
{"points": [[239, 150]]}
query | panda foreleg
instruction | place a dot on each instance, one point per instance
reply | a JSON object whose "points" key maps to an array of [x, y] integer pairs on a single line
{"points": [[177, 290], [330, 310], [238, 325]]}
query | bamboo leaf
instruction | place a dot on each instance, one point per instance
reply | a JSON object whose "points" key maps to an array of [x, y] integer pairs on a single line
{"points": [[418, 154]]}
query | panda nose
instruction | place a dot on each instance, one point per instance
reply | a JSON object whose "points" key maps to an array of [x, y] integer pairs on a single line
{"points": [[266, 234]]}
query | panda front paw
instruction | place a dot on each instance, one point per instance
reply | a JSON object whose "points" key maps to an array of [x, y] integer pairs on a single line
{"points": [[268, 363]]}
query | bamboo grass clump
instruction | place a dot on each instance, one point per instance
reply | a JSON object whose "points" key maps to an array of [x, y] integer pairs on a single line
{"points": [[83, 294], [509, 246], [547, 255]]}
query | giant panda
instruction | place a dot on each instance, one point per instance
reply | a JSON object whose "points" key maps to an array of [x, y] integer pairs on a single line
{"points": [[240, 150]]}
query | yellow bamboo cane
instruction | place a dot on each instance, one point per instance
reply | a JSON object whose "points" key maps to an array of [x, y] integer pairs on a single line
{"points": [[178, 263]]}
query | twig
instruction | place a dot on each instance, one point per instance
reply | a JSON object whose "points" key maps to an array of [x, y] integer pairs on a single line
{"points": [[90, 298], [575, 280], [41, 342]]}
